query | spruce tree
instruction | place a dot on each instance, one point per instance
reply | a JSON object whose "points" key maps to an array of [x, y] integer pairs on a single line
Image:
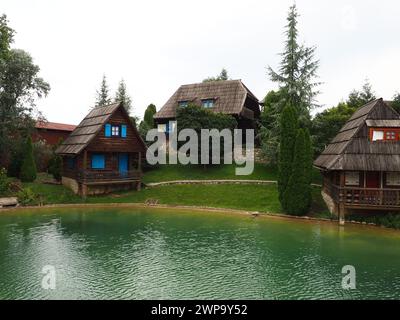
{"points": [[28, 168], [103, 98], [296, 198], [308, 149], [149, 115], [123, 96], [297, 71], [288, 124]]}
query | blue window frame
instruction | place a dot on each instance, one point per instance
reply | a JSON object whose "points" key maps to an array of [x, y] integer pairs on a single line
{"points": [[115, 131], [207, 103], [98, 161], [183, 103]]}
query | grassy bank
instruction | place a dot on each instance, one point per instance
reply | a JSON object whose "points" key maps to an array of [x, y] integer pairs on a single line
{"points": [[195, 172], [262, 198]]}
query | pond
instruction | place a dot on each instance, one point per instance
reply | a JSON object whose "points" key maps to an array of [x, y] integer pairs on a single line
{"points": [[134, 253]]}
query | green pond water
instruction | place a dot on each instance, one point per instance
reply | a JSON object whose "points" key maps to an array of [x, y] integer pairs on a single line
{"points": [[131, 253]]}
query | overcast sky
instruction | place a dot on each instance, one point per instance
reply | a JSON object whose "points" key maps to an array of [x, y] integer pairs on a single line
{"points": [[157, 45]]}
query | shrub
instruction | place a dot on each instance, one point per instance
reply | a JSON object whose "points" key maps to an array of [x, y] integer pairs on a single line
{"points": [[26, 197], [14, 168], [4, 182], [55, 167], [296, 198], [42, 153], [28, 168]]}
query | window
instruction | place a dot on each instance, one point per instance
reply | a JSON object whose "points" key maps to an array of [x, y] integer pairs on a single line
{"points": [[377, 135], [352, 178], [115, 132], [183, 103], [161, 127], [207, 103], [390, 135], [70, 163], [393, 178], [98, 161]]}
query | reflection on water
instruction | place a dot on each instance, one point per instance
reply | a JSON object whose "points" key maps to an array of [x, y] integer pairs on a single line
{"points": [[159, 254]]}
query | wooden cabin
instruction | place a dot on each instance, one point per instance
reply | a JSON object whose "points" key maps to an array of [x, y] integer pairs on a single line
{"points": [[103, 153], [361, 165], [229, 97]]}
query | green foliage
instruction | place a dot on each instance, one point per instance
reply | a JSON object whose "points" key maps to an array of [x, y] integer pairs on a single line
{"points": [[308, 150], [42, 153], [15, 163], [28, 168], [122, 96], [396, 102], [103, 96], [149, 115], [27, 197], [19, 88], [221, 77], [297, 71], [297, 195], [55, 167], [4, 182], [289, 126], [357, 98], [389, 220], [197, 118]]}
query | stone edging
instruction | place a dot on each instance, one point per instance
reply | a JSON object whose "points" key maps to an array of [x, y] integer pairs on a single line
{"points": [[221, 181]]}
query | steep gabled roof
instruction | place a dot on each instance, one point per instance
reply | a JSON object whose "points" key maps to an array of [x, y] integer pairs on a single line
{"points": [[229, 95], [88, 129], [351, 149]]}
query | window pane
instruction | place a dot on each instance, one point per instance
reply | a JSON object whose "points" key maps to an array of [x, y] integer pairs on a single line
{"points": [[352, 178], [377, 135], [393, 178]]}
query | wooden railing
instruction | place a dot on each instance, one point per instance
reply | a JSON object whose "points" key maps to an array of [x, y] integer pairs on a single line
{"points": [[355, 196], [94, 176]]}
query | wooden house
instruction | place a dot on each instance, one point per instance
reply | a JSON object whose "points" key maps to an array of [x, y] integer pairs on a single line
{"points": [[103, 153], [229, 97], [51, 132], [361, 165]]}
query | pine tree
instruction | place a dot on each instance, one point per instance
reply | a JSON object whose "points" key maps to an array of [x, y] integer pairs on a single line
{"points": [[308, 149], [288, 124], [28, 168], [103, 98], [123, 96], [223, 76], [296, 198], [297, 71]]}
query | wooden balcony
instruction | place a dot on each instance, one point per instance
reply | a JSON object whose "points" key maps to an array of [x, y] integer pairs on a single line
{"points": [[108, 177], [353, 197]]}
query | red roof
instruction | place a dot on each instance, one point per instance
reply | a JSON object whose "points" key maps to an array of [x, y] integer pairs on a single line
{"points": [[54, 126]]}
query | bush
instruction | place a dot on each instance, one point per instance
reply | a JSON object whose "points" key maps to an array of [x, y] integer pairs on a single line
{"points": [[27, 197], [42, 153], [28, 168], [4, 182], [55, 167], [14, 168]]}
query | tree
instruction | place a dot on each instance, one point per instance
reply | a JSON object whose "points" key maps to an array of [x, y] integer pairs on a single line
{"points": [[357, 99], [396, 102], [148, 121], [297, 71], [28, 168], [122, 96], [20, 85], [103, 98], [309, 163], [286, 149], [221, 77], [296, 198]]}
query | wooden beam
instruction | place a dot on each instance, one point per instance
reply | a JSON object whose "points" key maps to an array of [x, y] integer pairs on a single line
{"points": [[140, 161]]}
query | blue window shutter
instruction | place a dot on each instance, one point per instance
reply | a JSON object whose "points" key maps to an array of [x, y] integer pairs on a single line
{"points": [[107, 130], [98, 161], [123, 131]]}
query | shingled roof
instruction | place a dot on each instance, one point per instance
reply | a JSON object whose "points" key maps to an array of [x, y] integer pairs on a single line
{"points": [[229, 96], [352, 149], [87, 130]]}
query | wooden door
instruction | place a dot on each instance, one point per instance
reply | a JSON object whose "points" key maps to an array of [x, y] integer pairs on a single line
{"points": [[373, 180]]}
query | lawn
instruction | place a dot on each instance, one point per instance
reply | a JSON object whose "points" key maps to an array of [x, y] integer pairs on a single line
{"points": [[196, 172]]}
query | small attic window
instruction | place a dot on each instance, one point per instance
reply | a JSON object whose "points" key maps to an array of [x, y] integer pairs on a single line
{"points": [[207, 103], [183, 103], [390, 135], [377, 135]]}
